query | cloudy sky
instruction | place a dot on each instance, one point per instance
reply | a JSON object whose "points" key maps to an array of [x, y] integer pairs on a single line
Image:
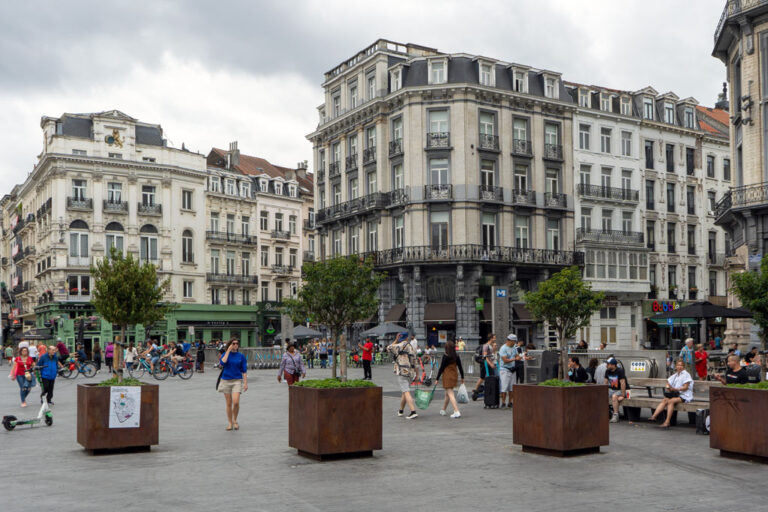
{"points": [[213, 72]]}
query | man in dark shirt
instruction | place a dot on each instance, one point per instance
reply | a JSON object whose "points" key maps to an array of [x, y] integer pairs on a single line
{"points": [[617, 385], [576, 372], [735, 374]]}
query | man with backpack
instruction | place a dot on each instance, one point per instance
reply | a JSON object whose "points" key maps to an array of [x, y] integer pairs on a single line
{"points": [[483, 355], [404, 362]]}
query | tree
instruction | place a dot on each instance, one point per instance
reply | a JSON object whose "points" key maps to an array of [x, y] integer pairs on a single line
{"points": [[336, 293], [566, 303], [752, 290], [125, 293]]}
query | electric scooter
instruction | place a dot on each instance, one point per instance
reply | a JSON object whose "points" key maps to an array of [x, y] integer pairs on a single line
{"points": [[45, 415]]}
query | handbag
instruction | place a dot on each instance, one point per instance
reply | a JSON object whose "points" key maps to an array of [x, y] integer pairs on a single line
{"points": [[27, 375], [423, 397], [671, 394]]}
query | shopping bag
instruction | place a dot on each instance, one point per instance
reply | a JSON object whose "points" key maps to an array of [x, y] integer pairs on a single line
{"points": [[461, 395], [423, 397]]}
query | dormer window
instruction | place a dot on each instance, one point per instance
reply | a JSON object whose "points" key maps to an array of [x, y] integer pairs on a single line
{"points": [[264, 185], [396, 79], [229, 187], [626, 106], [278, 188], [550, 87], [214, 184], [486, 74], [689, 119], [245, 189], [648, 108], [584, 98], [292, 190], [669, 113], [438, 72], [605, 102], [520, 81]]}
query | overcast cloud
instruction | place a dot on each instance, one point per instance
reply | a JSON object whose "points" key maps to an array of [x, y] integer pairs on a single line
{"points": [[214, 72]]}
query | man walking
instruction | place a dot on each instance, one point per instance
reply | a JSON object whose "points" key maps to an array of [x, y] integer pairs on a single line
{"points": [[486, 356], [367, 349], [508, 355], [49, 368], [404, 358]]}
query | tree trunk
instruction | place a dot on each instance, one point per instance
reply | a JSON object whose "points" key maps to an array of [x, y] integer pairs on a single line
{"points": [[117, 356], [343, 356], [563, 356], [335, 336]]}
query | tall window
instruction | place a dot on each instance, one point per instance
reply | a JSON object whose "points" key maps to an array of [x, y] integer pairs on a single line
{"points": [[354, 239], [605, 177], [553, 181], [691, 238], [215, 222], [370, 137], [584, 134], [648, 108], [148, 195], [373, 235], [487, 123], [336, 99], [438, 171], [605, 103], [336, 191], [689, 119], [489, 230], [246, 297], [215, 259], [245, 225], [187, 292], [691, 277], [245, 189], [264, 220], [550, 88], [669, 113], [439, 230], [352, 147], [521, 178], [371, 83], [397, 177], [713, 282], [396, 80], [215, 296], [279, 256], [336, 152], [626, 181], [231, 296], [670, 153], [114, 237], [214, 184], [186, 199], [710, 166], [397, 129], [671, 234], [690, 194], [278, 222], [551, 134], [265, 291], [585, 174], [114, 192], [711, 201], [650, 234], [626, 106], [671, 197], [372, 185], [336, 242], [399, 224], [245, 263], [487, 174], [438, 121], [292, 224], [520, 129], [586, 219], [626, 143], [230, 263], [229, 187], [650, 194], [520, 82], [148, 244], [78, 190], [553, 234], [605, 140], [626, 222], [78, 242], [672, 276], [521, 232], [727, 169], [293, 258], [584, 96], [264, 256], [353, 95], [186, 247], [279, 292], [230, 223], [607, 219], [649, 154]]}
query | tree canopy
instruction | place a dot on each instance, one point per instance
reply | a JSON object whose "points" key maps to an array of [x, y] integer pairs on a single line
{"points": [[752, 290]]}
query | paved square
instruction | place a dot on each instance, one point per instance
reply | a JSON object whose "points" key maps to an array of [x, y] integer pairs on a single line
{"points": [[431, 463]]}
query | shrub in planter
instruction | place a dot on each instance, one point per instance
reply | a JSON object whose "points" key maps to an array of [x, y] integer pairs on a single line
{"points": [[330, 419], [738, 418], [560, 418]]}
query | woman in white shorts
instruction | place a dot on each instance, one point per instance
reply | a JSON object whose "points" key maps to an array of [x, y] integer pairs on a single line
{"points": [[234, 380]]}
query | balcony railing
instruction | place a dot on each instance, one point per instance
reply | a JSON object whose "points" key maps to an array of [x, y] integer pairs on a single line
{"points": [[553, 152], [438, 140], [438, 192], [351, 162], [734, 7], [309, 256], [230, 279], [281, 235], [489, 142], [150, 209], [18, 226], [524, 197], [555, 200], [334, 170], [115, 206], [743, 197], [488, 193], [395, 147], [397, 197], [223, 236], [282, 269], [369, 155], [609, 236], [618, 194], [476, 253], [352, 207], [522, 147], [78, 203]]}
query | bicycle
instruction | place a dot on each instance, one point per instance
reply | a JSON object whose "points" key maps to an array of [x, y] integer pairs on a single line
{"points": [[72, 368], [140, 367], [164, 368]]}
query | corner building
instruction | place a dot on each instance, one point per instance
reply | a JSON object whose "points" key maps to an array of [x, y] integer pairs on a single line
{"points": [[453, 172]]}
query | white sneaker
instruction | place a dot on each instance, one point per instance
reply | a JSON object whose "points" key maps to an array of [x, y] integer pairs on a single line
{"points": [[456, 414], [442, 412], [615, 418]]}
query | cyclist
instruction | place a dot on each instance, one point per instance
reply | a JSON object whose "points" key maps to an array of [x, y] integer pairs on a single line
{"points": [[151, 353], [175, 353], [80, 355]]}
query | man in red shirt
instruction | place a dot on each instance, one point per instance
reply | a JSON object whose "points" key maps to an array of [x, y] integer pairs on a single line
{"points": [[367, 349], [700, 357]]}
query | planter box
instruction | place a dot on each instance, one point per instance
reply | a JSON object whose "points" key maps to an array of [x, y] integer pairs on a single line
{"points": [[739, 422], [333, 423], [560, 421], [93, 431]]}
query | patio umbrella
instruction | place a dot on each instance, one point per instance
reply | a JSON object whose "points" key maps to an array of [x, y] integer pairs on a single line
{"points": [[383, 330], [700, 310], [301, 331]]}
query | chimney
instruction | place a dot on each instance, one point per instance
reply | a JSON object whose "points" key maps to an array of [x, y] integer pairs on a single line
{"points": [[301, 169], [722, 98], [233, 155]]}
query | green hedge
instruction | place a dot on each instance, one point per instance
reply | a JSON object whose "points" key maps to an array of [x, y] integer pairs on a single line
{"points": [[757, 385], [128, 381], [335, 383], [561, 383]]}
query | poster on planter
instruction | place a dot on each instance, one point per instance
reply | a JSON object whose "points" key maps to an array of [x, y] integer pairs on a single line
{"points": [[125, 407]]}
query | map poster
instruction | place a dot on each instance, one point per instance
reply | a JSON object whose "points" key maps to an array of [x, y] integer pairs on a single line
{"points": [[125, 407]]}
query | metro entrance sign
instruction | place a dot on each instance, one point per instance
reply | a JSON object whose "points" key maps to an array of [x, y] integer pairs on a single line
{"points": [[500, 311]]}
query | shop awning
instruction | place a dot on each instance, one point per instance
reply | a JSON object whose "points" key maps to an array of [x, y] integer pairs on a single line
{"points": [[396, 313], [440, 312], [677, 322], [521, 313]]}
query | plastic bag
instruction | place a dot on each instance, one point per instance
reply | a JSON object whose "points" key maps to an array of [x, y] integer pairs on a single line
{"points": [[461, 395], [423, 397]]}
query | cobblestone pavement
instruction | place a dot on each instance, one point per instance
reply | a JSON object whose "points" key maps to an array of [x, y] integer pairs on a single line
{"points": [[431, 463]]}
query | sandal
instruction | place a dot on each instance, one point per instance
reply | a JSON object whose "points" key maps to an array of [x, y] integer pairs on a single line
{"points": [[651, 420], [237, 427], [229, 427]]}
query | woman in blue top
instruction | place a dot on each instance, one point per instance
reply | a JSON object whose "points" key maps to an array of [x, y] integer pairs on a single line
{"points": [[234, 380]]}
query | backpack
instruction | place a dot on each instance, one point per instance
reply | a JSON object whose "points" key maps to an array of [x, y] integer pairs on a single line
{"points": [[479, 354], [753, 372]]}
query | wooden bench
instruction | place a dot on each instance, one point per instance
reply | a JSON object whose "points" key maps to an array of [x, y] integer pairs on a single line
{"points": [[635, 403]]}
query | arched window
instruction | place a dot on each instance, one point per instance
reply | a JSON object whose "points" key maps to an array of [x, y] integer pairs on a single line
{"points": [[187, 256], [148, 244], [115, 237], [148, 228], [78, 243]]}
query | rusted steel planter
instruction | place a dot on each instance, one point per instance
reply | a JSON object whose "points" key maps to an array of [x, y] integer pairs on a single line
{"points": [[333, 423], [739, 422], [93, 431], [560, 421]]}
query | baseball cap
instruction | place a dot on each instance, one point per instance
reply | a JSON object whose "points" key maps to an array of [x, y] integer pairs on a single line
{"points": [[512, 337], [404, 334], [611, 360]]}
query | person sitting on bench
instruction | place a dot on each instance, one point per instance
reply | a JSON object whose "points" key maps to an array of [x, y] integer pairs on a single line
{"points": [[617, 385], [679, 389]]}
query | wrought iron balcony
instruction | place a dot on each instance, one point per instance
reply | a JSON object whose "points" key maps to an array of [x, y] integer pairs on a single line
{"points": [[609, 236], [309, 256], [618, 194], [79, 203], [555, 200], [334, 170], [553, 152], [282, 269], [18, 256], [487, 193], [281, 235], [396, 147], [475, 253], [351, 162], [524, 197], [397, 197], [230, 279], [522, 147], [352, 207], [150, 209], [115, 206], [369, 155], [743, 197], [18, 226], [438, 192], [489, 142], [223, 236], [436, 140]]}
